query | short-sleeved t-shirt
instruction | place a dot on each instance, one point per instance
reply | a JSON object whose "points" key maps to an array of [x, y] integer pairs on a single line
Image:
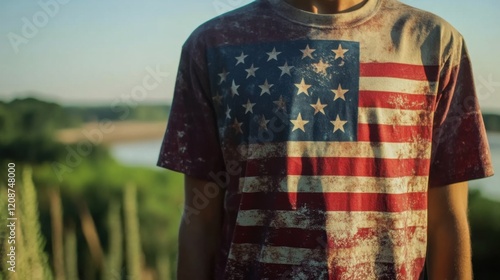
{"points": [[325, 132]]}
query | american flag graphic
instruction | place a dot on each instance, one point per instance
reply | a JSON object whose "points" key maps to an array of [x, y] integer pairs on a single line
{"points": [[335, 155]]}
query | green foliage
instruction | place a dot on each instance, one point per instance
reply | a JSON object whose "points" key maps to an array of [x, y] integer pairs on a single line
{"points": [[150, 113], [484, 216], [492, 122], [80, 115]]}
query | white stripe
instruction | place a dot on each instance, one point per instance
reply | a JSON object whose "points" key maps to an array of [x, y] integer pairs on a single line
{"points": [[397, 85], [282, 255], [413, 150], [397, 117], [367, 251], [317, 184], [335, 222]]}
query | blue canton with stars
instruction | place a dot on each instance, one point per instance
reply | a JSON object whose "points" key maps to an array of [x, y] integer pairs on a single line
{"points": [[304, 90]]}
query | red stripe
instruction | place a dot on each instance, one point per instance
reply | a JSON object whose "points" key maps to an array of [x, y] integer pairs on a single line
{"points": [[335, 201], [310, 166], [415, 268], [392, 133], [399, 70], [394, 100], [287, 237], [314, 238]]}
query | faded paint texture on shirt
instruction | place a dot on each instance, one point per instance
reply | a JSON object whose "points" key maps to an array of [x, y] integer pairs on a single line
{"points": [[325, 131]]}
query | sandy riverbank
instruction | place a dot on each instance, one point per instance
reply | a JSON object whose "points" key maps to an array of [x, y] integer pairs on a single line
{"points": [[113, 132]]}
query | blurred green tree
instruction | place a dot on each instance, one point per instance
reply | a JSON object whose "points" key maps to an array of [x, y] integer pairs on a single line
{"points": [[28, 127]]}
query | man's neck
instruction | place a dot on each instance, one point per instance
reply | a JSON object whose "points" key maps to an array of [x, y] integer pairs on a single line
{"points": [[327, 6]]}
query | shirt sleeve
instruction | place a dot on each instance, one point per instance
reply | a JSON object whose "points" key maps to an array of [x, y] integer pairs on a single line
{"points": [[191, 143], [460, 150]]}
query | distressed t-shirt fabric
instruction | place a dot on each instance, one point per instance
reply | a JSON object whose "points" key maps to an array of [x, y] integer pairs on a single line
{"points": [[325, 132]]}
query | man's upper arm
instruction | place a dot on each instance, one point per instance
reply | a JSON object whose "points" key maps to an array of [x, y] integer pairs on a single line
{"points": [[449, 248], [203, 200], [447, 202]]}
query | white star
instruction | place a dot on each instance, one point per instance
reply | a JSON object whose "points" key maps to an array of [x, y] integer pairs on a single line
{"points": [[223, 76], [321, 66], [302, 87], [248, 107], [338, 124], [299, 123], [265, 88], [281, 103], [285, 69], [339, 52], [237, 126], [339, 92], [234, 89], [217, 99], [251, 71], [263, 122], [273, 54], [307, 52], [318, 107], [241, 58], [228, 112]]}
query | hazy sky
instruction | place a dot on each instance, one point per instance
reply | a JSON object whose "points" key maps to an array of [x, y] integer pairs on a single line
{"points": [[90, 51]]}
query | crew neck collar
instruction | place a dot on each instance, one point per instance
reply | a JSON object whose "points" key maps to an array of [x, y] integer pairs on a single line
{"points": [[334, 21]]}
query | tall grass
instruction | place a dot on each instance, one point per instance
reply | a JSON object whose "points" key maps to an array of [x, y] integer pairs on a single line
{"points": [[75, 251], [35, 261], [163, 266], [56, 217], [4, 233], [31, 259], [71, 253], [114, 258], [89, 231], [132, 235]]}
